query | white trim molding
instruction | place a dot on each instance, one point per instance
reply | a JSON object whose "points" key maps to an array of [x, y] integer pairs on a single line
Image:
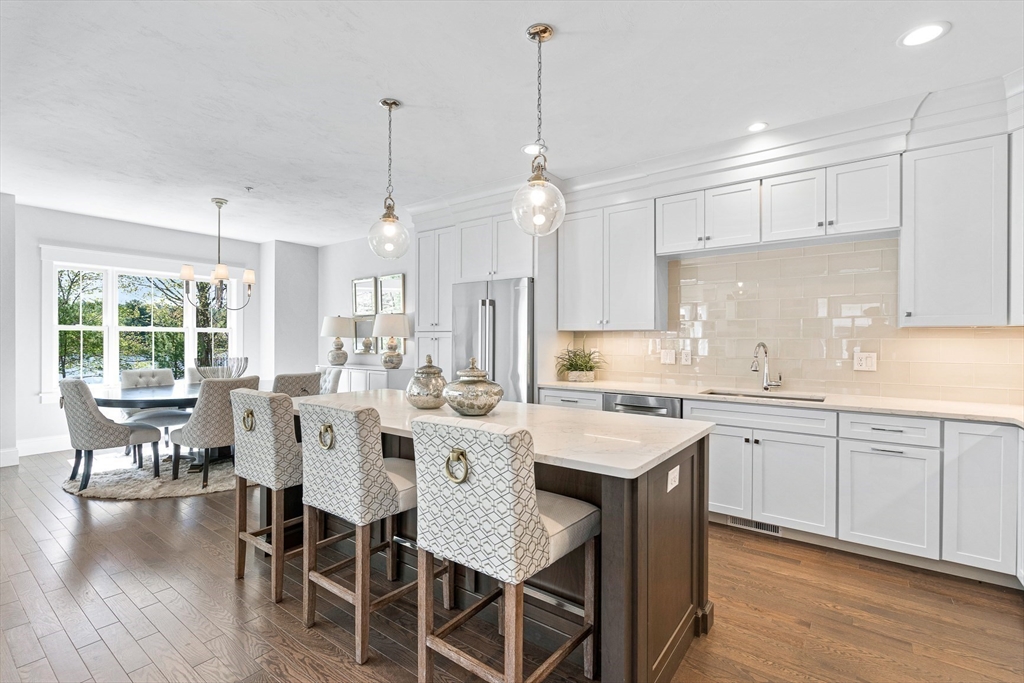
{"points": [[44, 444], [8, 457]]}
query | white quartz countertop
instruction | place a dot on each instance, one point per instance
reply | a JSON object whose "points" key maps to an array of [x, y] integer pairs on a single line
{"points": [[612, 444], [946, 410]]}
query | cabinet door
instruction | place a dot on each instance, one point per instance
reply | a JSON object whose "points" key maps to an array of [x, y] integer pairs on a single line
{"points": [[444, 358], [376, 379], [513, 250], [629, 287], [889, 497], [732, 215], [979, 499], [359, 380], [864, 195], [679, 223], [581, 271], [730, 468], [445, 277], [953, 259], [793, 206], [426, 281], [1017, 228], [474, 251], [426, 345], [795, 481], [345, 381]]}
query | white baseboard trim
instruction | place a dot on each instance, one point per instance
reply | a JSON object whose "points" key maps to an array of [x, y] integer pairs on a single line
{"points": [[8, 457], [44, 444]]}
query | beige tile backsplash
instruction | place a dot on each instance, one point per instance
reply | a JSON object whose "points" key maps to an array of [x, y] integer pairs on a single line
{"points": [[812, 306]]}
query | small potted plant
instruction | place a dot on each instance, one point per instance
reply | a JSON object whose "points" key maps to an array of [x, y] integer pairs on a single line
{"points": [[578, 364]]}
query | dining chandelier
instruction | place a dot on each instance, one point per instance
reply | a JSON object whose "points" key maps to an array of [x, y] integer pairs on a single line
{"points": [[219, 277]]}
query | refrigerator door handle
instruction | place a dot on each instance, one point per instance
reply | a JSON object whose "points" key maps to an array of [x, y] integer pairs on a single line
{"points": [[490, 340], [481, 335]]}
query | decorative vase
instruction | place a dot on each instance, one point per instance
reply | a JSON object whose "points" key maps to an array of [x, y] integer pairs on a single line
{"points": [[580, 375], [473, 394], [426, 388], [338, 355], [391, 359]]}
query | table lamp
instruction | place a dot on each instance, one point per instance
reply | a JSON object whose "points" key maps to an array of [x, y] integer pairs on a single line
{"points": [[391, 325], [337, 327]]}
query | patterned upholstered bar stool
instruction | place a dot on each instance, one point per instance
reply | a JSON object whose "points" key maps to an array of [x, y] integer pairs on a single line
{"points": [[266, 453], [345, 474], [302, 384], [479, 506]]}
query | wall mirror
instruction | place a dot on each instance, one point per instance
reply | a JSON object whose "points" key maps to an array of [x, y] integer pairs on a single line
{"points": [[365, 342], [364, 297], [391, 293]]}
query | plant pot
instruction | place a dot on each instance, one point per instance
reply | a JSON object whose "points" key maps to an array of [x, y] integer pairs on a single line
{"points": [[580, 376]]}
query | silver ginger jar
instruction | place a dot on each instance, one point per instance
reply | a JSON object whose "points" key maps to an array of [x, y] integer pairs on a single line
{"points": [[426, 387], [473, 394]]}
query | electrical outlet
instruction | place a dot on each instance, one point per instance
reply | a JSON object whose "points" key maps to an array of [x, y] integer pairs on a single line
{"points": [[864, 362], [668, 357], [673, 478], [684, 357]]}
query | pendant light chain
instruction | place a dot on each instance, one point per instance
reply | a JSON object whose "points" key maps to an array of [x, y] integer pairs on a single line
{"points": [[540, 139], [390, 188]]}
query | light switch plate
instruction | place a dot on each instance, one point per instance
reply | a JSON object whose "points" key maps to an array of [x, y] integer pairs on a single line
{"points": [[673, 478], [668, 356], [684, 357], [864, 362]]}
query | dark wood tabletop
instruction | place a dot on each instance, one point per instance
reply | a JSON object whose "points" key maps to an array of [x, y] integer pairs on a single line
{"points": [[179, 395]]}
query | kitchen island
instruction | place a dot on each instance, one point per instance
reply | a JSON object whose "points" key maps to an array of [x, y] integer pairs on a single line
{"points": [[649, 477]]}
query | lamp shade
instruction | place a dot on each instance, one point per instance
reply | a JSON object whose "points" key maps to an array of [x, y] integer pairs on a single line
{"points": [[188, 273], [220, 272], [337, 326], [391, 325], [249, 277]]}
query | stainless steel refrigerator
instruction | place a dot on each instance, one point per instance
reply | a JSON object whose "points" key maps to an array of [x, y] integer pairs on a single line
{"points": [[493, 322]]}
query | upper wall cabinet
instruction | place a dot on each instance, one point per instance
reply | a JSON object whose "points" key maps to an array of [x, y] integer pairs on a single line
{"points": [[864, 195], [680, 221], [953, 246], [435, 260], [492, 249], [732, 215], [793, 206], [1017, 228]]}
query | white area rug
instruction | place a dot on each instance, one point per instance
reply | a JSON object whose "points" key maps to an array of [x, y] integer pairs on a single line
{"points": [[115, 478]]}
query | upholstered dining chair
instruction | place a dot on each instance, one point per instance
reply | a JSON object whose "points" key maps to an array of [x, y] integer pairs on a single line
{"points": [[346, 474], [266, 453], [162, 418], [330, 378], [211, 425], [302, 384], [91, 430], [478, 505]]}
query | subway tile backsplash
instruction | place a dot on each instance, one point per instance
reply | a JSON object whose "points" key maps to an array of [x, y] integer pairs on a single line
{"points": [[812, 306]]}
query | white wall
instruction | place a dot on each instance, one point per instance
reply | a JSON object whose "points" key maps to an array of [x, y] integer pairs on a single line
{"points": [[346, 261], [290, 308], [41, 426], [8, 352]]}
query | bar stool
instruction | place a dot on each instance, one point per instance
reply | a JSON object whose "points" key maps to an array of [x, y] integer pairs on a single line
{"points": [[479, 506], [347, 475], [266, 453]]}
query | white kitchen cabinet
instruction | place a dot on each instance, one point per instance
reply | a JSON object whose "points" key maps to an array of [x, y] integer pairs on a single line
{"points": [[954, 240], [793, 206], [864, 195], [1017, 228], [583, 400], [732, 215], [794, 483], [438, 345], [359, 380], [377, 379], [979, 503], [435, 254], [730, 468], [679, 223], [492, 248], [889, 496], [630, 297]]}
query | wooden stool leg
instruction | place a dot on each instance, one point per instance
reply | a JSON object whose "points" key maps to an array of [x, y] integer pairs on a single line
{"points": [[78, 462], [362, 593], [425, 605], [241, 524], [513, 599], [589, 603], [392, 550], [500, 602], [448, 585], [310, 537], [277, 545]]}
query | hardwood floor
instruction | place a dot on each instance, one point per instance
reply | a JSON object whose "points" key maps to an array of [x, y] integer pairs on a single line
{"points": [[144, 591]]}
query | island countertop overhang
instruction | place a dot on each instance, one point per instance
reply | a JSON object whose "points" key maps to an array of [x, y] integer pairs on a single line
{"points": [[612, 444]]}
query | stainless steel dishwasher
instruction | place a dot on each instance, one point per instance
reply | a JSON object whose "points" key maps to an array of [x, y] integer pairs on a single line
{"points": [[658, 406]]}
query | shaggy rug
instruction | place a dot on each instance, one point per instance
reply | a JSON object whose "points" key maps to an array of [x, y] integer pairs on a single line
{"points": [[117, 479]]}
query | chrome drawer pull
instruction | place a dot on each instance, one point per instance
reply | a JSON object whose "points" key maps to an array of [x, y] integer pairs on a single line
{"points": [[886, 450], [886, 429], [569, 400]]}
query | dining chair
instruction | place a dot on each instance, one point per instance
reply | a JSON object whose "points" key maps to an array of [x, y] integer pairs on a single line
{"points": [[346, 474], [479, 506], [162, 418], [91, 430], [301, 384], [211, 425], [330, 378], [193, 376], [266, 453]]}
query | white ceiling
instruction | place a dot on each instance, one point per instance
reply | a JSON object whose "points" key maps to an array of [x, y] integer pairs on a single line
{"points": [[142, 111]]}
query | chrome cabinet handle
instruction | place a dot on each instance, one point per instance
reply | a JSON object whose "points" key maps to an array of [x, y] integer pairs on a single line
{"points": [[821, 223], [831, 222], [887, 450], [886, 429], [700, 239], [569, 400]]}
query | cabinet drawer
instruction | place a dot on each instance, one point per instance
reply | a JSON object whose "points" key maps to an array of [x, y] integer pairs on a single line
{"points": [[587, 400], [910, 431], [776, 418]]}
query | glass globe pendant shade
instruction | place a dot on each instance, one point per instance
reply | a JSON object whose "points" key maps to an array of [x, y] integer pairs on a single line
{"points": [[538, 207], [388, 238]]}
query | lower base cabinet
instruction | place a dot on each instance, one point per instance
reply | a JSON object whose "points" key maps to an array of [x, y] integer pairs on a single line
{"points": [[889, 497], [730, 468], [794, 482]]}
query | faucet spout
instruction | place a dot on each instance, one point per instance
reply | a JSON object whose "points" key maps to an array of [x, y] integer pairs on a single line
{"points": [[766, 382]]}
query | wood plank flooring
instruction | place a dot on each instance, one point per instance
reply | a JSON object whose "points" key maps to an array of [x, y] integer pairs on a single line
{"points": [[139, 591]]}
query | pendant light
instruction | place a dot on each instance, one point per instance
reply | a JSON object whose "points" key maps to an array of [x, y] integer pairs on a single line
{"points": [[219, 277], [388, 238], [538, 207]]}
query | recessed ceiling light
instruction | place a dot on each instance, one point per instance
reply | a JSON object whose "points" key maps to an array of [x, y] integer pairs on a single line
{"points": [[925, 34], [757, 127]]}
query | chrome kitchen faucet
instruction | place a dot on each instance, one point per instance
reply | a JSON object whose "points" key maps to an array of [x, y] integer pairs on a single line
{"points": [[766, 383]]}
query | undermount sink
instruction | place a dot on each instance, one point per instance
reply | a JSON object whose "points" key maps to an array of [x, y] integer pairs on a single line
{"points": [[763, 394]]}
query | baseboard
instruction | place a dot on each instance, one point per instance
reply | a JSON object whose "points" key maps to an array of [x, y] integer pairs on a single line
{"points": [[44, 444], [8, 457]]}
